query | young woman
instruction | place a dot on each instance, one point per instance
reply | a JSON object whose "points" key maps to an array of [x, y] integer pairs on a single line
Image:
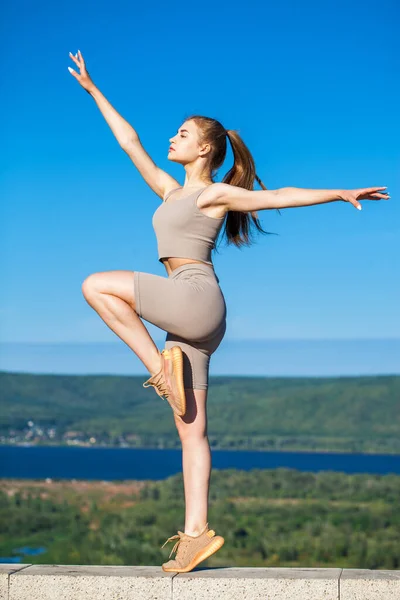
{"points": [[189, 304]]}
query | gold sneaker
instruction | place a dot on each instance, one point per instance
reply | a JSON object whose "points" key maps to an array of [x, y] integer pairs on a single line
{"points": [[191, 550], [168, 381]]}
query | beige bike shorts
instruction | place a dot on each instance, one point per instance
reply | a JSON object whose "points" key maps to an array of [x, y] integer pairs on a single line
{"points": [[190, 306]]}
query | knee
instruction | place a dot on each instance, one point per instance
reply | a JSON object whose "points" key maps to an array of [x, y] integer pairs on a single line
{"points": [[190, 432], [89, 285]]}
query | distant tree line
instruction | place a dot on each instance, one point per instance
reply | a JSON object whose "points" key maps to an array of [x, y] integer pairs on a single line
{"points": [[349, 414]]}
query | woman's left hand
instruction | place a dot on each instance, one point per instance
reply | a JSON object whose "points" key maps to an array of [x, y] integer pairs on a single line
{"points": [[371, 193]]}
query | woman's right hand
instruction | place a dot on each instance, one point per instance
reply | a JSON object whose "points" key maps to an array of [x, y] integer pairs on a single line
{"points": [[83, 77]]}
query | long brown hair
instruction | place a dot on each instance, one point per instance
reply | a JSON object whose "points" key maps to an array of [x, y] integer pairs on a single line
{"points": [[242, 174]]}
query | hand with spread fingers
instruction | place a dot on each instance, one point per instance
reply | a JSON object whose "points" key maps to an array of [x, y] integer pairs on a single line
{"points": [[83, 77], [371, 193]]}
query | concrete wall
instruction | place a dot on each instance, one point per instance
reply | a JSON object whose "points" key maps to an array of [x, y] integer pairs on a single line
{"points": [[76, 582]]}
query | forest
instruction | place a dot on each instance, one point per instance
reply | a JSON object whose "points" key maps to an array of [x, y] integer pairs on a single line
{"points": [[272, 517], [347, 414]]}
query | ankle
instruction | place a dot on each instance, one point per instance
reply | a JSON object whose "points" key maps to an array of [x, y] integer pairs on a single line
{"points": [[195, 531], [156, 365]]}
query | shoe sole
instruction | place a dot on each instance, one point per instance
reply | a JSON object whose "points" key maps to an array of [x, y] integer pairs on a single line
{"points": [[217, 542], [175, 369]]}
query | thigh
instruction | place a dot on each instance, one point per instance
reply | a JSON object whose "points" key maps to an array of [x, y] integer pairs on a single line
{"points": [[196, 357], [194, 421], [117, 283], [177, 306]]}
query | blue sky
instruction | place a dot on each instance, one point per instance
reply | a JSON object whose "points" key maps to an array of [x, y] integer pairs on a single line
{"points": [[313, 88]]}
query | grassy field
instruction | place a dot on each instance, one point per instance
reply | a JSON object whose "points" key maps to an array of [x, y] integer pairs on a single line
{"points": [[277, 517]]}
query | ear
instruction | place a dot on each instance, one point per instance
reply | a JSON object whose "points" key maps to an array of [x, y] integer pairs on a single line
{"points": [[205, 149]]}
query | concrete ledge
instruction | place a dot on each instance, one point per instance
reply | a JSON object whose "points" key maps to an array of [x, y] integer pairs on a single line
{"points": [[364, 584], [259, 583], [76, 582]]}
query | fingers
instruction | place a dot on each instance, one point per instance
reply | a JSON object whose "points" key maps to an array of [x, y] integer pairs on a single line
{"points": [[378, 195], [75, 59], [374, 193], [78, 60], [81, 57], [372, 190]]}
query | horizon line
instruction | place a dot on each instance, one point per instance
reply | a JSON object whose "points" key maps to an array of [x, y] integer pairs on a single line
{"points": [[117, 342]]}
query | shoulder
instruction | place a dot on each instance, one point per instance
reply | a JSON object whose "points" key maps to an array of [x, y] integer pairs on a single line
{"points": [[212, 197], [217, 193], [219, 190], [224, 194], [221, 196]]}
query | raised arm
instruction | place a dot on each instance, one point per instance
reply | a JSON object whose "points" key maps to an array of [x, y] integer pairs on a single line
{"points": [[238, 199], [159, 181]]}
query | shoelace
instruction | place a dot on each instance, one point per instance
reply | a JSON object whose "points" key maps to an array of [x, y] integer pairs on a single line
{"points": [[159, 384], [176, 545], [181, 537]]}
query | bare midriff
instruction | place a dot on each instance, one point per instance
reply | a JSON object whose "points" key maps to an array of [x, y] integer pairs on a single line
{"points": [[173, 263]]}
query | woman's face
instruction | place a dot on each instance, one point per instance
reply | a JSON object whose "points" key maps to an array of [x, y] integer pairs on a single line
{"points": [[184, 146]]}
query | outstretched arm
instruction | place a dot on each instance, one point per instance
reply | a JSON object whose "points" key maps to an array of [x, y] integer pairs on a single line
{"points": [[238, 199], [127, 137], [291, 197], [123, 131]]}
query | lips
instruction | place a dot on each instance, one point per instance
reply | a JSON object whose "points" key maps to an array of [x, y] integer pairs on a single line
{"points": [[172, 149]]}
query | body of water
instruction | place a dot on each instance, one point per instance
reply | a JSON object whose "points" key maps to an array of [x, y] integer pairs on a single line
{"points": [[24, 552], [110, 464]]}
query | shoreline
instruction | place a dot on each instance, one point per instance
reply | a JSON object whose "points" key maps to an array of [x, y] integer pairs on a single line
{"points": [[213, 449]]}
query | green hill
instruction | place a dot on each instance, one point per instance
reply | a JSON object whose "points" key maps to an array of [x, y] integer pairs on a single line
{"points": [[358, 414]]}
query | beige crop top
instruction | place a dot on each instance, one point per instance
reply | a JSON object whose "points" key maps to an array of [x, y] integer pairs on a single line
{"points": [[183, 230]]}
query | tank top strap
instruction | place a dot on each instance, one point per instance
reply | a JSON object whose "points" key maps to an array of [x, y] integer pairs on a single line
{"points": [[170, 192], [197, 194]]}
